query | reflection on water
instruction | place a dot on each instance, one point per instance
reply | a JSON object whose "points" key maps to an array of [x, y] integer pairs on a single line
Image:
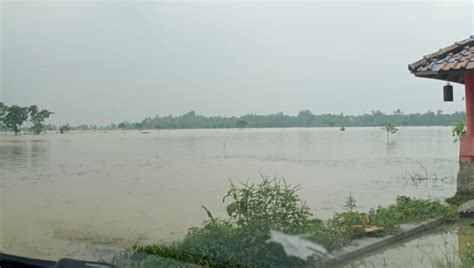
{"points": [[149, 187], [18, 155], [421, 251]]}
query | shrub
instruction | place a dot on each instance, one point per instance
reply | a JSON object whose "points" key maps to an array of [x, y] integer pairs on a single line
{"points": [[256, 209], [408, 210], [270, 205], [240, 241]]}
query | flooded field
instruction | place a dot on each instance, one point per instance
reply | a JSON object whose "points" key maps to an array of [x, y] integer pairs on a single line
{"points": [[422, 251], [81, 194]]}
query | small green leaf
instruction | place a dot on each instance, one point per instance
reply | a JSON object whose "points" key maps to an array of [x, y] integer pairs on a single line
{"points": [[231, 208]]}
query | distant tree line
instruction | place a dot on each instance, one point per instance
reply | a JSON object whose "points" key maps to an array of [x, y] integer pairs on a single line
{"points": [[304, 119], [13, 117]]}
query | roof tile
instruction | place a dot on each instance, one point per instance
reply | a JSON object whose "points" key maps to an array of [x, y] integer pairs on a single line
{"points": [[456, 58]]}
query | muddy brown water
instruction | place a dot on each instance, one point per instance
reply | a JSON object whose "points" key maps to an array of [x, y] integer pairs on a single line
{"points": [[83, 194]]}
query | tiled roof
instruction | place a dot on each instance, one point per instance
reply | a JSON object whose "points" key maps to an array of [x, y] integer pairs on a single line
{"points": [[448, 63]]}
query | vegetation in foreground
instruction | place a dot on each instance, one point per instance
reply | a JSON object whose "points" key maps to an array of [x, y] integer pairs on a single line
{"points": [[241, 240], [455, 259]]}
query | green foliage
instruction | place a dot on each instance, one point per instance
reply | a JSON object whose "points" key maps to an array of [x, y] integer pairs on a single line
{"points": [[64, 129], [256, 209], [219, 244], [459, 131], [408, 210], [138, 126], [467, 256], [447, 261], [453, 258], [3, 112], [124, 125], [327, 234], [137, 259], [241, 123], [3, 109], [240, 241], [15, 117], [350, 203], [344, 221], [37, 117], [304, 119], [270, 205], [390, 129]]}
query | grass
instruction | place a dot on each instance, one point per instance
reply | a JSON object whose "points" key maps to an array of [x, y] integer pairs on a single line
{"points": [[255, 209], [455, 259]]}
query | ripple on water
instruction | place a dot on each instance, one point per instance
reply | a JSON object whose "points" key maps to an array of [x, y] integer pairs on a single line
{"points": [[91, 186]]}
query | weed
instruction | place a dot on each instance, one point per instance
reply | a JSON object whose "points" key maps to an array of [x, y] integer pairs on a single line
{"points": [[256, 209]]}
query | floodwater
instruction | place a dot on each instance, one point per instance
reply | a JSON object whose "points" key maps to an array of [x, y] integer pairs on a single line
{"points": [[81, 194], [443, 244]]}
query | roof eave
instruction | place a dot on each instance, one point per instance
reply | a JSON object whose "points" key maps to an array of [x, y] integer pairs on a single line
{"points": [[451, 76]]}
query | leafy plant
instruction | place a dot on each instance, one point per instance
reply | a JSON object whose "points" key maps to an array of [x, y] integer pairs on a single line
{"points": [[454, 258], [459, 131], [256, 209], [270, 205], [241, 240], [64, 129], [390, 129], [408, 210], [15, 117], [37, 117], [344, 221], [467, 256]]}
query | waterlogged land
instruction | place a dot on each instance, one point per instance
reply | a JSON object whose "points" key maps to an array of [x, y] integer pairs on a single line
{"points": [[80, 194], [439, 248]]}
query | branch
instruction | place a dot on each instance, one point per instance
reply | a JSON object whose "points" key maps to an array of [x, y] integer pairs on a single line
{"points": [[209, 214]]}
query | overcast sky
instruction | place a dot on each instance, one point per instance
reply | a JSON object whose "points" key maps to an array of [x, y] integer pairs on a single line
{"points": [[103, 62]]}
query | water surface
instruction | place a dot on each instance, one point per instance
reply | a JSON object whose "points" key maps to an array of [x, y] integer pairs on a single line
{"points": [[79, 194]]}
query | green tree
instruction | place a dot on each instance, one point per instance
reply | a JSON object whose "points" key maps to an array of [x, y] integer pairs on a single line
{"points": [[15, 118], [390, 129], [123, 125], [306, 117], [64, 129], [190, 114], [37, 117], [138, 126], [3, 112], [241, 124], [398, 112]]}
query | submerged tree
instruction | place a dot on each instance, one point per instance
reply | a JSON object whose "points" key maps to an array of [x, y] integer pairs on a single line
{"points": [[390, 129], [15, 117], [37, 117], [64, 129]]}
